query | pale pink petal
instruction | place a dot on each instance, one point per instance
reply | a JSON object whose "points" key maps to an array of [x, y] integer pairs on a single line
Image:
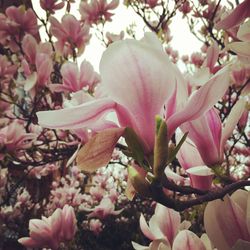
{"points": [[205, 132], [154, 226], [232, 120], [187, 240], [237, 16], [240, 48], [219, 219], [56, 223], [248, 214], [80, 116], [145, 228], [69, 222], [70, 75], [244, 32], [29, 242], [140, 78], [29, 46], [168, 221], [71, 25], [202, 100], [188, 155], [212, 56], [172, 175]]}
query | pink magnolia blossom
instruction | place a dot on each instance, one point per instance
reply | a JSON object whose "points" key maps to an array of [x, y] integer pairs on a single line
{"points": [[70, 34], [143, 70], [95, 226], [207, 134], [49, 232], [14, 137], [237, 16], [104, 209], [7, 70], [38, 55], [167, 232], [74, 80], [221, 216], [51, 5], [97, 10], [16, 24]]}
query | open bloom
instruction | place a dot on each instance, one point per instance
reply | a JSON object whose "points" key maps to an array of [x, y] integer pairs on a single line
{"points": [[51, 5], [70, 34], [97, 10], [221, 216], [139, 81], [167, 232], [208, 135], [74, 80], [49, 232]]}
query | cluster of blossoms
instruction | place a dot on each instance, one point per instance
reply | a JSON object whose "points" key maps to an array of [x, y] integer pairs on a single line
{"points": [[85, 151]]}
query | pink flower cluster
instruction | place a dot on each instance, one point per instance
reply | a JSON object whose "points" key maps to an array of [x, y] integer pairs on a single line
{"points": [[50, 232]]}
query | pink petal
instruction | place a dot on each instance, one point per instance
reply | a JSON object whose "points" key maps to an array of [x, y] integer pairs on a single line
{"points": [[29, 45], [145, 228], [147, 77], [29, 242], [212, 56], [80, 116], [237, 16], [187, 240], [70, 75], [188, 155], [201, 101], [205, 132], [240, 48], [168, 221], [219, 219], [232, 120]]}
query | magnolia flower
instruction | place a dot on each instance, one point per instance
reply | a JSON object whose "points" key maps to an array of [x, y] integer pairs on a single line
{"points": [[74, 80], [14, 137], [139, 81], [49, 232], [51, 5], [95, 226], [208, 135], [227, 221], [104, 209], [19, 18], [7, 70], [38, 55], [97, 10], [167, 232], [70, 34]]}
